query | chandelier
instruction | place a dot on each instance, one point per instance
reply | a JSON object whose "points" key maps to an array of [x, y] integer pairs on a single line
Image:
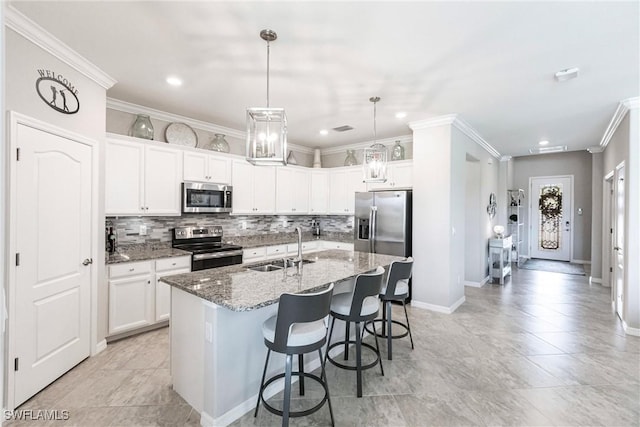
{"points": [[267, 127], [374, 164]]}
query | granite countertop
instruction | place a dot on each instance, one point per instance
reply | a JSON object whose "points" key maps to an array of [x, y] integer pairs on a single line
{"points": [[284, 238], [143, 252], [240, 289]]}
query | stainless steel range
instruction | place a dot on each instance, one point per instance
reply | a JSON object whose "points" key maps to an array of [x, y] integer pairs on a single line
{"points": [[206, 247]]}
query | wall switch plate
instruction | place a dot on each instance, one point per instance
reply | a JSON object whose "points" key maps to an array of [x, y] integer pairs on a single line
{"points": [[143, 230]]}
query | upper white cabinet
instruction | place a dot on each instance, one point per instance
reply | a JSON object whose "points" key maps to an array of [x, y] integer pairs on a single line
{"points": [[253, 188], [204, 167], [292, 191], [319, 192], [343, 184], [399, 175], [142, 178]]}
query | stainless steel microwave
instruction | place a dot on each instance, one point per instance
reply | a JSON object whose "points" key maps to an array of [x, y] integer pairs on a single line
{"points": [[203, 197]]}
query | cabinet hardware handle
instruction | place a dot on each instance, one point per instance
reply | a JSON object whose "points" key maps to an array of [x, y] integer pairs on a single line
{"points": [[141, 208], [87, 261], [132, 269]]}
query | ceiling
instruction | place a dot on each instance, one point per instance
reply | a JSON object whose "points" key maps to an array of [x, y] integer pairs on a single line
{"points": [[493, 63]]}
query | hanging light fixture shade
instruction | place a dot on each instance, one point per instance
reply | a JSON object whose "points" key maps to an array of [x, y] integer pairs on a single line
{"points": [[374, 164], [267, 126]]}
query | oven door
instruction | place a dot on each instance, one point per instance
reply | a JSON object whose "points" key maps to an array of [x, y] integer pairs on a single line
{"points": [[200, 197], [215, 259]]}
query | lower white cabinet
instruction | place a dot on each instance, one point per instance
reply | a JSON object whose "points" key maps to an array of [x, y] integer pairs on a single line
{"points": [[136, 297], [337, 245]]}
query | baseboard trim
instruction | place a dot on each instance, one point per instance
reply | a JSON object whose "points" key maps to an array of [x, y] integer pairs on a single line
{"points": [[477, 284], [438, 308], [101, 346], [580, 261], [235, 413], [597, 280], [629, 330]]}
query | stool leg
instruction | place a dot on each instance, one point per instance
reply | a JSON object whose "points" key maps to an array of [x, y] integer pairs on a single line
{"points": [[326, 354], [407, 318], [323, 376], [384, 318], [389, 333], [346, 340], [301, 369], [378, 350], [358, 360], [286, 405], [264, 374]]}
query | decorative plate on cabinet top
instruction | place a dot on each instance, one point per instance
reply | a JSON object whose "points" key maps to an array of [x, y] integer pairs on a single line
{"points": [[181, 134]]}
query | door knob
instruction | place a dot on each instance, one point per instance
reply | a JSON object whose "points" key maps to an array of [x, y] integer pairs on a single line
{"points": [[87, 261]]}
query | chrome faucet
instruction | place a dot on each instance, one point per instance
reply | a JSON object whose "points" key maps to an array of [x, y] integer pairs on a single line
{"points": [[299, 258]]}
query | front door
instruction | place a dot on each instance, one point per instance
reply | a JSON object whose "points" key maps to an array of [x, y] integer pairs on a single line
{"points": [[53, 238], [551, 228], [618, 232]]}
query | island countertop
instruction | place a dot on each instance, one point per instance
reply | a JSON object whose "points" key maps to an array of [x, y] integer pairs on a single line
{"points": [[239, 289]]}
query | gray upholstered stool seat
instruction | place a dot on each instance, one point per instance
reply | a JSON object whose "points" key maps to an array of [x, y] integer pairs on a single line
{"points": [[361, 305], [298, 328], [396, 289]]}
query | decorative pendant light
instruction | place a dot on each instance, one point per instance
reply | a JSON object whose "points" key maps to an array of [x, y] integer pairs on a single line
{"points": [[374, 164], [267, 127]]}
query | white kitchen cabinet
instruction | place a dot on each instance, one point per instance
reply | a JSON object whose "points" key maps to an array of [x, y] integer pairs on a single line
{"points": [[292, 248], [319, 193], [276, 251], [137, 298], [343, 184], [253, 188], [254, 254], [337, 245], [399, 175], [142, 178], [292, 190], [203, 167]]}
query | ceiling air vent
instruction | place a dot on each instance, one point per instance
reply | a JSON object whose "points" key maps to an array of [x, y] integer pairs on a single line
{"points": [[343, 128]]}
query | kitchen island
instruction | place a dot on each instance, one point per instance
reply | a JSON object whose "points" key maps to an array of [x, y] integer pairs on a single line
{"points": [[217, 348]]}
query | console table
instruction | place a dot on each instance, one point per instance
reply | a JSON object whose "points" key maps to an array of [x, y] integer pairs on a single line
{"points": [[500, 258]]}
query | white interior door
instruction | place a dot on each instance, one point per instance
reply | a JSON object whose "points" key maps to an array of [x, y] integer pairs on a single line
{"points": [[53, 238], [550, 214], [618, 232]]}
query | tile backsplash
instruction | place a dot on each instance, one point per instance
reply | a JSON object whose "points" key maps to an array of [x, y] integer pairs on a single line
{"points": [[158, 229]]}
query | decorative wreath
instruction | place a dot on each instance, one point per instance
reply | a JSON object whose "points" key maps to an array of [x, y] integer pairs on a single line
{"points": [[550, 202]]}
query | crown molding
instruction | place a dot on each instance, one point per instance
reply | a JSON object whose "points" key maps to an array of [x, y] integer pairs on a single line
{"points": [[594, 150], [631, 103], [466, 128], [505, 158], [618, 116], [129, 107], [37, 35], [404, 139], [461, 125], [433, 122]]}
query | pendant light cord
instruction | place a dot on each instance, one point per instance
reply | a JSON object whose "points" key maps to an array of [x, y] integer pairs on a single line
{"points": [[374, 121], [268, 53]]}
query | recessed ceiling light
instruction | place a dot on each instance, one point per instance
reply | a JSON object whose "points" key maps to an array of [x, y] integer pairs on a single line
{"points": [[174, 81], [324, 132], [543, 142], [401, 115], [543, 150], [569, 73]]}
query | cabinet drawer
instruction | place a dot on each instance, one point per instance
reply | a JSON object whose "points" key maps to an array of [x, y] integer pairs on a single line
{"points": [[173, 263], [292, 248], [129, 269], [253, 254], [276, 250], [338, 245]]}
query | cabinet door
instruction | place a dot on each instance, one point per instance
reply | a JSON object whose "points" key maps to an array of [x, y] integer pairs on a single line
{"points": [[163, 175], [219, 170], [318, 193], [195, 166], [284, 190], [353, 183], [337, 193], [163, 294], [242, 173], [402, 175], [124, 169], [130, 304], [264, 189], [300, 191]]}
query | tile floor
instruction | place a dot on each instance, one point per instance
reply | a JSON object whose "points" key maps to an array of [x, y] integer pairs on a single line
{"points": [[545, 349]]}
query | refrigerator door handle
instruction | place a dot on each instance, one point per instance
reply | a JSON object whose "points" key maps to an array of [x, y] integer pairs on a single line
{"points": [[372, 228]]}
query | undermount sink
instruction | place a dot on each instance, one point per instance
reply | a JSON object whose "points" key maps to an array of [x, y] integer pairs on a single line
{"points": [[290, 263], [265, 268]]}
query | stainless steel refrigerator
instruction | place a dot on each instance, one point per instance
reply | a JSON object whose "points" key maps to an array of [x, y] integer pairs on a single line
{"points": [[383, 222]]}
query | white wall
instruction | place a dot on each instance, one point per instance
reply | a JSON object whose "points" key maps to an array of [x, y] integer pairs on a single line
{"points": [[472, 256], [576, 163], [597, 174]]}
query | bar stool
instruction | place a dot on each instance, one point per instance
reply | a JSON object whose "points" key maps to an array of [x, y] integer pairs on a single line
{"points": [[360, 305], [298, 328], [396, 289]]}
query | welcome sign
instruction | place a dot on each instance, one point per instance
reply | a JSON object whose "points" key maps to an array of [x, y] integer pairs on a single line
{"points": [[57, 92]]}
